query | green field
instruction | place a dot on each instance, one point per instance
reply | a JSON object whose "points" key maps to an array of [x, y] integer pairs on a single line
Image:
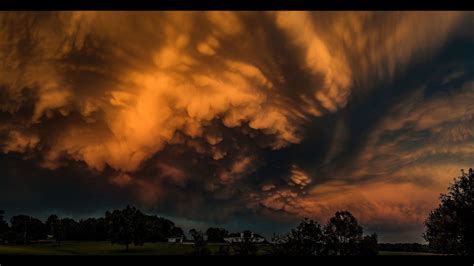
{"points": [[106, 248]]}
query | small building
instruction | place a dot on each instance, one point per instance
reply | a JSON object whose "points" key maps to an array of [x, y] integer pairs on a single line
{"points": [[233, 237], [176, 239], [239, 237]]}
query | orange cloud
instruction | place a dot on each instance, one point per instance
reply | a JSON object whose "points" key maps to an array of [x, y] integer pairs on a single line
{"points": [[363, 48], [239, 168], [175, 174], [390, 181], [399, 201], [121, 180], [299, 177], [19, 142], [114, 89]]}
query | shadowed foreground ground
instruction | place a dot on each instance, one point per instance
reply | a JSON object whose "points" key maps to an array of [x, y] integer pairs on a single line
{"points": [[105, 248]]}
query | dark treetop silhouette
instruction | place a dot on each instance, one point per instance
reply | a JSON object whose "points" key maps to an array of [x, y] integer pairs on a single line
{"points": [[342, 235], [450, 227]]}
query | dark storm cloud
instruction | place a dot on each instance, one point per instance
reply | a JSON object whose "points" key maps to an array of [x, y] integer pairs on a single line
{"points": [[235, 116], [27, 188]]}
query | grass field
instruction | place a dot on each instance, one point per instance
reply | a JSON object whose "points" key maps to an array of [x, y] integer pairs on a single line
{"points": [[106, 248]]}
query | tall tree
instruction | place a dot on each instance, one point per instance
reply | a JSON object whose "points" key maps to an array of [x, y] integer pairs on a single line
{"points": [[450, 227], [306, 239], [70, 229], [344, 235], [158, 228], [126, 226], [343, 228], [177, 231], [54, 227], [216, 234]]}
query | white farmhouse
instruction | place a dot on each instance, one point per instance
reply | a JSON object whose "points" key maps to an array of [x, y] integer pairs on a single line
{"points": [[176, 239], [239, 237]]}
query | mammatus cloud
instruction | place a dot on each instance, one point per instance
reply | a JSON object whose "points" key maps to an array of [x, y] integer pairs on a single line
{"points": [[408, 159], [169, 103]]}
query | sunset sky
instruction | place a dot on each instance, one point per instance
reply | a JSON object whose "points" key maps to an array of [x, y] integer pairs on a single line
{"points": [[248, 120]]}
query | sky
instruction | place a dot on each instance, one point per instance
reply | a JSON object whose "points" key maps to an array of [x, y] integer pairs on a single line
{"points": [[248, 120]]}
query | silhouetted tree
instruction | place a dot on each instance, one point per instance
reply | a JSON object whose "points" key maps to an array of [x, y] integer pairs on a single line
{"points": [[216, 234], [70, 229], [246, 247], [158, 229], [200, 244], [177, 231], [26, 229], [54, 227], [306, 239], [3, 227], [126, 226], [450, 227], [342, 233]]}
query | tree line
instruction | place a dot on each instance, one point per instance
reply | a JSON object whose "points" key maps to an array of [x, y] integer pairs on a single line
{"points": [[342, 235], [119, 226], [449, 229]]}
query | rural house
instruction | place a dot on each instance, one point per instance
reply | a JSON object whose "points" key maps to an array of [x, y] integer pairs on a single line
{"points": [[239, 237], [176, 239]]}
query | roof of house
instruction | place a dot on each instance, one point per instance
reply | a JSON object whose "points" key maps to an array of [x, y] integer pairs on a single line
{"points": [[238, 235]]}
